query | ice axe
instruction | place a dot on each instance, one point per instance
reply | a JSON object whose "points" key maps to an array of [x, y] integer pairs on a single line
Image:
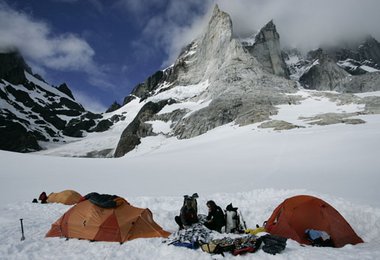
{"points": [[22, 230]]}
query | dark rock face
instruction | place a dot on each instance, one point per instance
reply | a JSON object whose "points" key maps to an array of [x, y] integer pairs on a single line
{"points": [[364, 53], [103, 126], [267, 50], [323, 73], [128, 99], [148, 87], [142, 90], [76, 127], [370, 50], [137, 129], [12, 67], [363, 83], [34, 110], [354, 55], [65, 89], [352, 66], [14, 137]]}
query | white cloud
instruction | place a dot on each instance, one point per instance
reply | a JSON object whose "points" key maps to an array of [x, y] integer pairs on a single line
{"points": [[37, 42], [301, 23], [306, 23], [43, 49]]}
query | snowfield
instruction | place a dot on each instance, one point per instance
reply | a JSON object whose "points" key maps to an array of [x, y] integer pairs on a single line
{"points": [[254, 168]]}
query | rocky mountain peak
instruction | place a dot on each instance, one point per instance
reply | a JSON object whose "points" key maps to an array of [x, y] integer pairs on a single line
{"points": [[267, 50], [66, 90], [270, 26], [230, 86], [12, 67], [191, 66], [268, 32], [370, 51], [220, 26]]}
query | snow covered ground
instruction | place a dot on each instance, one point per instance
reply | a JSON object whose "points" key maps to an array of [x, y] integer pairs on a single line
{"points": [[254, 168]]}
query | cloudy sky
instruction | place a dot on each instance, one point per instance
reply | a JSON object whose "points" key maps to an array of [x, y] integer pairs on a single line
{"points": [[103, 48]]}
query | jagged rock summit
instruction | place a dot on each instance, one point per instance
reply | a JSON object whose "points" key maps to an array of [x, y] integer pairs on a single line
{"points": [[228, 82], [267, 50]]}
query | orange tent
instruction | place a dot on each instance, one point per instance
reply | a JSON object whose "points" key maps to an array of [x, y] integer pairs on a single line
{"points": [[122, 223], [67, 197], [296, 214]]}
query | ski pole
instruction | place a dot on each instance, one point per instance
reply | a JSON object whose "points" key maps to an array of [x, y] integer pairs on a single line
{"points": [[22, 230]]}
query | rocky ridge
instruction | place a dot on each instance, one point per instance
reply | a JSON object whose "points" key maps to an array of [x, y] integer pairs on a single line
{"points": [[33, 112]]}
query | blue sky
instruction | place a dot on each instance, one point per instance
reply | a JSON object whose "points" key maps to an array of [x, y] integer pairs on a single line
{"points": [[103, 48]]}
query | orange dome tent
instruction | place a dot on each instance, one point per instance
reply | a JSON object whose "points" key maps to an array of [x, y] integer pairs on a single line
{"points": [[296, 214], [119, 224], [67, 197]]}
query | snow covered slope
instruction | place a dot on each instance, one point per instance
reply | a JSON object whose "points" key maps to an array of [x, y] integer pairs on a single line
{"points": [[255, 168]]}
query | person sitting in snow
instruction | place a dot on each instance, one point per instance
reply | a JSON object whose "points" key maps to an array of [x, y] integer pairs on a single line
{"points": [[187, 216], [215, 218], [43, 197]]}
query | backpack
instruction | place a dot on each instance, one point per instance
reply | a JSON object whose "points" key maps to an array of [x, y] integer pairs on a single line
{"points": [[232, 220], [273, 244], [192, 201]]}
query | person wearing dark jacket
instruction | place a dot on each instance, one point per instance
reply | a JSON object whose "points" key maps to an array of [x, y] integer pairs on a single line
{"points": [[215, 219], [43, 197], [187, 216]]}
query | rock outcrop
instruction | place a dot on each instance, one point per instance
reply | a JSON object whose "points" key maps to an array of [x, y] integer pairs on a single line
{"points": [[267, 50], [324, 73], [65, 89], [138, 129]]}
